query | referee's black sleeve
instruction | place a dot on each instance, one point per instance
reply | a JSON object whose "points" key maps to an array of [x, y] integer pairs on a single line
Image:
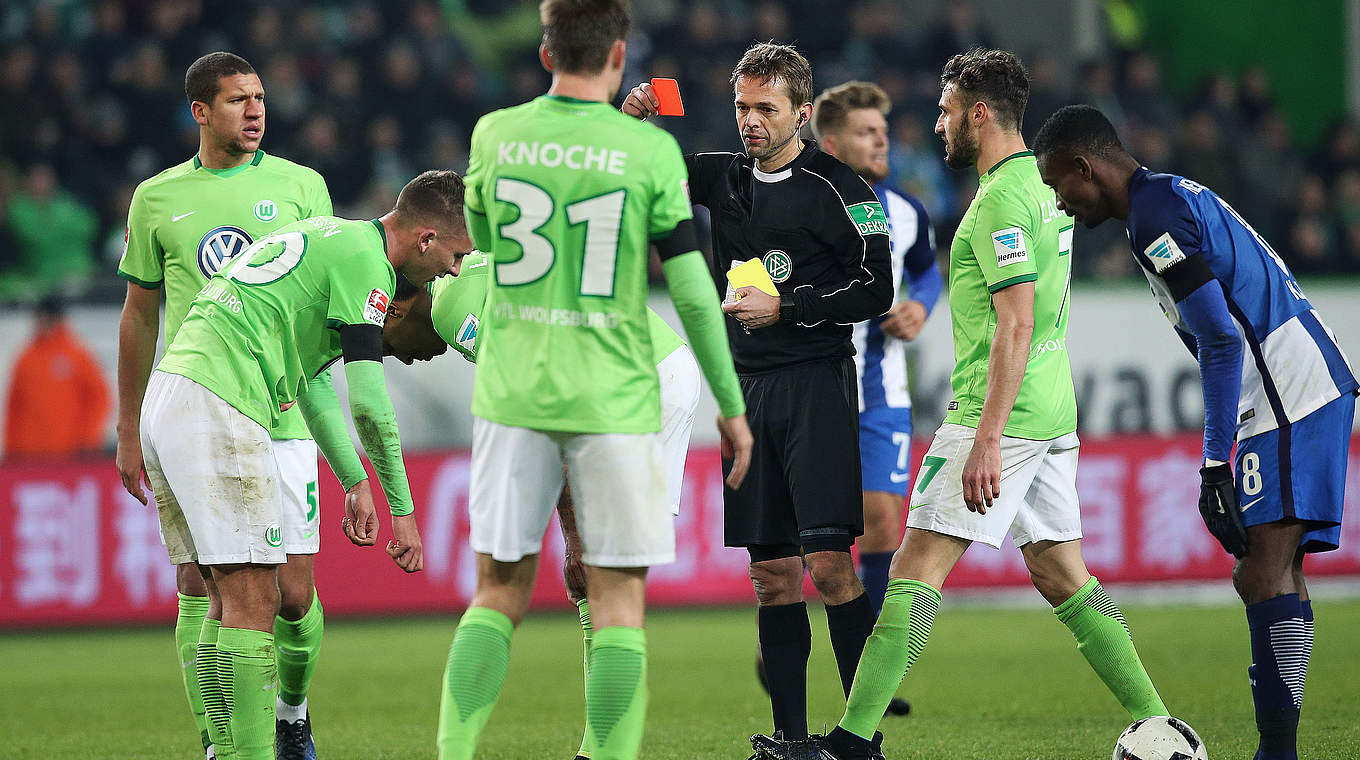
{"points": [[858, 235], [705, 169]]}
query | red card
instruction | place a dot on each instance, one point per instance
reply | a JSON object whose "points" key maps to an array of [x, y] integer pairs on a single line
{"points": [[668, 92]]}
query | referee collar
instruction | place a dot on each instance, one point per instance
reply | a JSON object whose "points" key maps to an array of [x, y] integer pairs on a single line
{"points": [[809, 147]]}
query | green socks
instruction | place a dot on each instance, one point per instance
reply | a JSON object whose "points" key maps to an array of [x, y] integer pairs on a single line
{"points": [[900, 635], [248, 679], [188, 631], [218, 720], [297, 644], [478, 657], [587, 746], [616, 692], [1103, 639]]}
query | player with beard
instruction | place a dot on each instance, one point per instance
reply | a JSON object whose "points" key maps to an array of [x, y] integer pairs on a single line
{"points": [[1005, 459], [821, 234]]}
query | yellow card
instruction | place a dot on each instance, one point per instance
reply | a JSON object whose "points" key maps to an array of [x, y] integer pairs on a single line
{"points": [[752, 273]]}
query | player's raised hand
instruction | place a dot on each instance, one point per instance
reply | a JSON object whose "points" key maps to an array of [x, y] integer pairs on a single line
{"points": [[736, 445], [1218, 507], [131, 466], [361, 519], [982, 476], [641, 102], [405, 548]]}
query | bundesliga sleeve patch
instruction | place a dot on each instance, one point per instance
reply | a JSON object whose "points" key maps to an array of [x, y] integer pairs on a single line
{"points": [[1164, 253], [375, 311], [869, 218], [467, 335], [1010, 246]]}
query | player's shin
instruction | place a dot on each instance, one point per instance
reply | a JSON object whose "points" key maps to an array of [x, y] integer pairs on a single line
{"points": [[616, 692], [188, 631], [218, 719], [899, 637], [245, 668], [297, 646], [587, 746], [1280, 644], [478, 659], [1103, 638]]}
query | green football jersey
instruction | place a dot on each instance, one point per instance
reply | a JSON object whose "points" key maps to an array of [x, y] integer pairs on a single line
{"points": [[565, 195], [187, 221], [266, 325], [1013, 233], [457, 304]]}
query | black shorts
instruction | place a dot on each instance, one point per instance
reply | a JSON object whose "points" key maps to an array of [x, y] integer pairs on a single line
{"points": [[803, 488]]}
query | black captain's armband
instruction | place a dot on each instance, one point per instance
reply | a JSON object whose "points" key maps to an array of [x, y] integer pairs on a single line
{"points": [[1185, 277], [361, 343], [682, 239]]}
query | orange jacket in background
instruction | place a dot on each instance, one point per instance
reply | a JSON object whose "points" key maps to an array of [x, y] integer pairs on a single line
{"points": [[58, 398]]}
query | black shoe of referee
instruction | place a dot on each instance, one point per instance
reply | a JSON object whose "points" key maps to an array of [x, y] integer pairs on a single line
{"points": [[899, 707]]}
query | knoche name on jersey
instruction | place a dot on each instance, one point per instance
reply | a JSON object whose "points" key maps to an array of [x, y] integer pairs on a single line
{"points": [[552, 155]]}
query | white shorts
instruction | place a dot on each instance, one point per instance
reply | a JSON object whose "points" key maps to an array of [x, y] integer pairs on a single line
{"points": [[214, 475], [1038, 499], [618, 484], [680, 378], [301, 513]]}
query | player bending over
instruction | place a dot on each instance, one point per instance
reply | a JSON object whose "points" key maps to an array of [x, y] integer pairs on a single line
{"points": [[1272, 375], [184, 225], [257, 339], [1005, 458], [565, 194], [421, 325]]}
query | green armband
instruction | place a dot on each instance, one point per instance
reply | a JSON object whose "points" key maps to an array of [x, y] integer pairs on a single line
{"points": [[321, 410], [696, 300], [377, 426]]}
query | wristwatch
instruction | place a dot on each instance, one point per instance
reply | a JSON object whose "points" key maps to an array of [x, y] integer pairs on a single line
{"points": [[786, 310]]}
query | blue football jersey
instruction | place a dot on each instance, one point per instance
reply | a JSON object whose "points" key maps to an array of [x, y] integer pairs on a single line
{"points": [[1228, 294], [880, 359]]}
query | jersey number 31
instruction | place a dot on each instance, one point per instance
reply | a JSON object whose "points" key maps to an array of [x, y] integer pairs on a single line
{"points": [[602, 216]]}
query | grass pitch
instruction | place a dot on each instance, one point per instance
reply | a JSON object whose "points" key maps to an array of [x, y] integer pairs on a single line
{"points": [[993, 683]]}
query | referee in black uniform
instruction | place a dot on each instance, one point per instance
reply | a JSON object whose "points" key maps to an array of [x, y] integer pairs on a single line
{"points": [[821, 233]]}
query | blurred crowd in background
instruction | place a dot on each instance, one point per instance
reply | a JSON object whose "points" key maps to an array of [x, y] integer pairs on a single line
{"points": [[370, 93]]}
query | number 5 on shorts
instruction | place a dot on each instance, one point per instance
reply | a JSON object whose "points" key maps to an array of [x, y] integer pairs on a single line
{"points": [[931, 465]]}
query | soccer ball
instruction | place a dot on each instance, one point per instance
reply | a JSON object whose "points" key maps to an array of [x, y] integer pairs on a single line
{"points": [[1160, 737]]}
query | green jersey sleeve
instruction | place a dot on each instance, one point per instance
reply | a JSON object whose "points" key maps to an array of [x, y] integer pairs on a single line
{"points": [[456, 305], [360, 293], [1003, 240], [320, 199], [670, 203], [143, 260]]}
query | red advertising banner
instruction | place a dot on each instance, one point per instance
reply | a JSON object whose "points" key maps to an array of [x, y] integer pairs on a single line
{"points": [[75, 549]]}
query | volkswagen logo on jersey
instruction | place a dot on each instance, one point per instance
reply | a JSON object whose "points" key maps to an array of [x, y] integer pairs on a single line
{"points": [[219, 246], [778, 265]]}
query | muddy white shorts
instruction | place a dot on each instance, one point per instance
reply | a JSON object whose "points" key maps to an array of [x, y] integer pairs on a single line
{"points": [[215, 476]]}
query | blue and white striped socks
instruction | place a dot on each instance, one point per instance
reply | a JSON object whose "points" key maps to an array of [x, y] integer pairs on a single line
{"points": [[1281, 643]]}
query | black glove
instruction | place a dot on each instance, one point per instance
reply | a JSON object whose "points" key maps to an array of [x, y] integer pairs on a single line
{"points": [[1218, 507]]}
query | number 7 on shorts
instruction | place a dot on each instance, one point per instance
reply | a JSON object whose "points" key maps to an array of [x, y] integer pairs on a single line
{"points": [[931, 465]]}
